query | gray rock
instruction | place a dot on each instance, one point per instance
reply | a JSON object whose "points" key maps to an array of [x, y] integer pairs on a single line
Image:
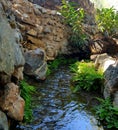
{"points": [[115, 102], [35, 64], [10, 52], [3, 121], [111, 80]]}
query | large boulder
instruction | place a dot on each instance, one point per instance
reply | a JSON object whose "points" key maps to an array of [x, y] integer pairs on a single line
{"points": [[109, 66], [10, 52], [12, 103], [35, 63]]}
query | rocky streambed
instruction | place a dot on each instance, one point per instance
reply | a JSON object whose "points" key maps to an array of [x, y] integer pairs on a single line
{"points": [[56, 108]]}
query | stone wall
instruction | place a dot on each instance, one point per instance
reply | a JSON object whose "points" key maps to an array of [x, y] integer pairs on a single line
{"points": [[41, 28], [11, 67]]}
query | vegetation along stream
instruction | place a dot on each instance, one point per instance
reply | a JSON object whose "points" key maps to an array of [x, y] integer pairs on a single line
{"points": [[57, 108]]}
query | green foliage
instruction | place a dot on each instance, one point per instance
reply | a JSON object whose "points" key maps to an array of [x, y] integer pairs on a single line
{"points": [[107, 113], [53, 65], [86, 77], [107, 20], [26, 91], [74, 17]]}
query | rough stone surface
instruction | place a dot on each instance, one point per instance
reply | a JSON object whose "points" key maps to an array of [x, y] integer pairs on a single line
{"points": [[111, 80], [103, 61], [35, 63], [42, 28], [3, 121], [11, 59], [18, 73], [10, 53], [12, 103], [109, 66], [55, 4], [115, 102]]}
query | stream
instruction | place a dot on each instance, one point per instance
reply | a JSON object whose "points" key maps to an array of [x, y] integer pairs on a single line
{"points": [[55, 107]]}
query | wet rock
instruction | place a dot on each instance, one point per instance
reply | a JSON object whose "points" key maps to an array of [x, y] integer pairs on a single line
{"points": [[35, 63], [12, 103], [3, 121]]}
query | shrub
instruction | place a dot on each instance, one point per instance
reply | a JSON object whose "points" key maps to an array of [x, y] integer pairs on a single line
{"points": [[26, 91], [107, 20], [74, 17], [107, 113], [86, 77]]}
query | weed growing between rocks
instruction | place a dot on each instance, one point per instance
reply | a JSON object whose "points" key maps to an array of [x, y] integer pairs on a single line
{"points": [[107, 113], [26, 92]]}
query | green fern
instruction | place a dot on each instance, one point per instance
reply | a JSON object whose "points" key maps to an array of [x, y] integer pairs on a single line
{"points": [[26, 92], [86, 77]]}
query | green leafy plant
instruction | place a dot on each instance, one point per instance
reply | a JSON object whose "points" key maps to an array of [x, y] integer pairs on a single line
{"points": [[74, 17], [107, 21], [107, 113], [54, 65], [26, 92], [86, 77]]}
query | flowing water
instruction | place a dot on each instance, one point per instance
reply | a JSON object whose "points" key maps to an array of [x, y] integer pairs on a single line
{"points": [[56, 108]]}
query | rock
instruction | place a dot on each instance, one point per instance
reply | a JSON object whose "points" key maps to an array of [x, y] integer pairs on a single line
{"points": [[17, 75], [32, 32], [37, 42], [10, 51], [111, 80], [35, 63], [47, 30], [12, 103], [3, 121], [103, 61], [115, 102], [93, 57], [109, 66]]}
